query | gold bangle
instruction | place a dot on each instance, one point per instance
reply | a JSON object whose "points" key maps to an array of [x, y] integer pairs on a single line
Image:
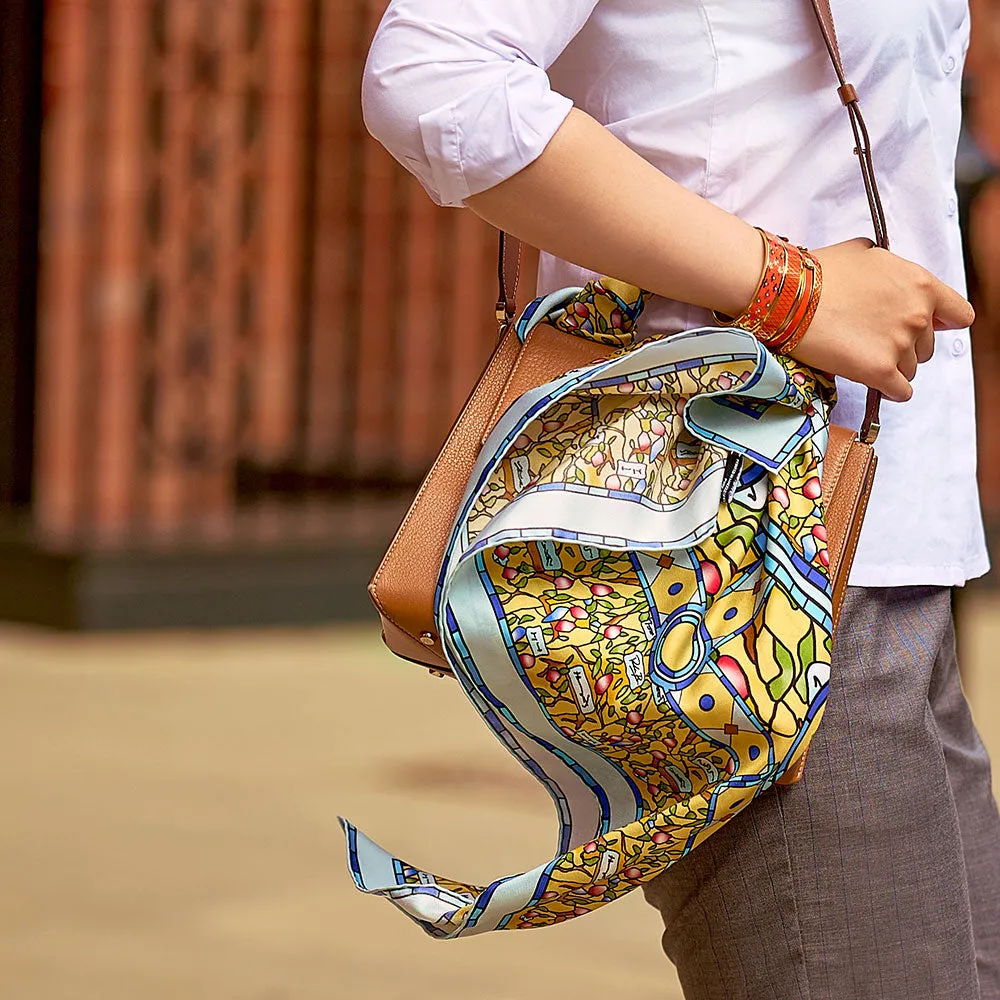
{"points": [[721, 318]]}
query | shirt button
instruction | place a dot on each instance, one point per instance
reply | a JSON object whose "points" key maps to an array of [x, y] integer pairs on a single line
{"points": [[952, 206], [949, 63], [958, 347]]}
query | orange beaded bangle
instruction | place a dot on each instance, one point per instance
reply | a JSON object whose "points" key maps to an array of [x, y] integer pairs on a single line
{"points": [[786, 298]]}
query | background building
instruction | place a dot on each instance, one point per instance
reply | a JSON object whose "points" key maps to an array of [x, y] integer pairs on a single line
{"points": [[248, 330], [233, 331]]}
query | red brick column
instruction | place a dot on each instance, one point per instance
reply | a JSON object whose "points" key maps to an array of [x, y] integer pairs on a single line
{"points": [[234, 275]]}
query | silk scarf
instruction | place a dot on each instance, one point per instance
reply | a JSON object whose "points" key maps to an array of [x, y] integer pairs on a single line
{"points": [[636, 600]]}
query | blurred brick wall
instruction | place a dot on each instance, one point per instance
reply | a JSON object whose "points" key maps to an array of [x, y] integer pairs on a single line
{"points": [[240, 291], [237, 283]]}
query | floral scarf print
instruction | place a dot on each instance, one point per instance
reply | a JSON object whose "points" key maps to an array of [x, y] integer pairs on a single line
{"points": [[636, 599]]}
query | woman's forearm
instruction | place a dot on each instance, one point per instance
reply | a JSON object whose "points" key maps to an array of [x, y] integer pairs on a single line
{"points": [[591, 200]]}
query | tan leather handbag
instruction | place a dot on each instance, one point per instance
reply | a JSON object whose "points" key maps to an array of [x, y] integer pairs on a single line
{"points": [[403, 586]]}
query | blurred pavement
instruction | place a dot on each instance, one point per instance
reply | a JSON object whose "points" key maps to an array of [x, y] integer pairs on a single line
{"points": [[169, 829]]}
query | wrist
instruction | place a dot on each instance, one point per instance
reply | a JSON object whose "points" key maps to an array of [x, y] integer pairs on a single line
{"points": [[748, 260], [786, 297]]}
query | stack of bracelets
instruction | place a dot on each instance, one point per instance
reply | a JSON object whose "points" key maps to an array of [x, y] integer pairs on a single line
{"points": [[787, 295]]}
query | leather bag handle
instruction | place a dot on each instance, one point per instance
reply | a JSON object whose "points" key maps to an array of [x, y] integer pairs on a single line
{"points": [[509, 250]]}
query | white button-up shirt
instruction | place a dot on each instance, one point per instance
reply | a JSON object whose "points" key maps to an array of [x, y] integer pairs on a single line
{"points": [[736, 100]]}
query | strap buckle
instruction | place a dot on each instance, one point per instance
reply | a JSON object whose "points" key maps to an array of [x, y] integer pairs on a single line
{"points": [[504, 317]]}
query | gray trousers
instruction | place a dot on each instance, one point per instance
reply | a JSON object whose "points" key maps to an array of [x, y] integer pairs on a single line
{"points": [[878, 875]]}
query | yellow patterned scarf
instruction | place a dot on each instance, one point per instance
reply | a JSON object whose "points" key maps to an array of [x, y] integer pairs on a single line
{"points": [[636, 600]]}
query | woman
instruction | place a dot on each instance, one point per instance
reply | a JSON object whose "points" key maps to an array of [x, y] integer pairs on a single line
{"points": [[645, 140]]}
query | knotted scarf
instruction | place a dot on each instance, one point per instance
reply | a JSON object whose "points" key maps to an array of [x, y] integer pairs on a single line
{"points": [[636, 600]]}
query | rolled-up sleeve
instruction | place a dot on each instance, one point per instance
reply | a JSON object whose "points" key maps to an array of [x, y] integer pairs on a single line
{"points": [[458, 92]]}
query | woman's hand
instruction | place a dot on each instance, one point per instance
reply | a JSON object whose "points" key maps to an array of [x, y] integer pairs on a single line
{"points": [[877, 316]]}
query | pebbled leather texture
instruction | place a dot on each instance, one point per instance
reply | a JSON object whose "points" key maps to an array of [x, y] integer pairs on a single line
{"points": [[402, 588], [547, 354], [848, 474]]}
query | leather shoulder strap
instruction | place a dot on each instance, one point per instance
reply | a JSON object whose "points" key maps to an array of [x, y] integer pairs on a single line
{"points": [[869, 429], [509, 252], [849, 95], [508, 274], [828, 28]]}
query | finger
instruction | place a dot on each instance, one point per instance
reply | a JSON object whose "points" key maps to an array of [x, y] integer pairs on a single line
{"points": [[951, 310], [907, 366], [896, 387], [942, 325], [924, 346]]}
